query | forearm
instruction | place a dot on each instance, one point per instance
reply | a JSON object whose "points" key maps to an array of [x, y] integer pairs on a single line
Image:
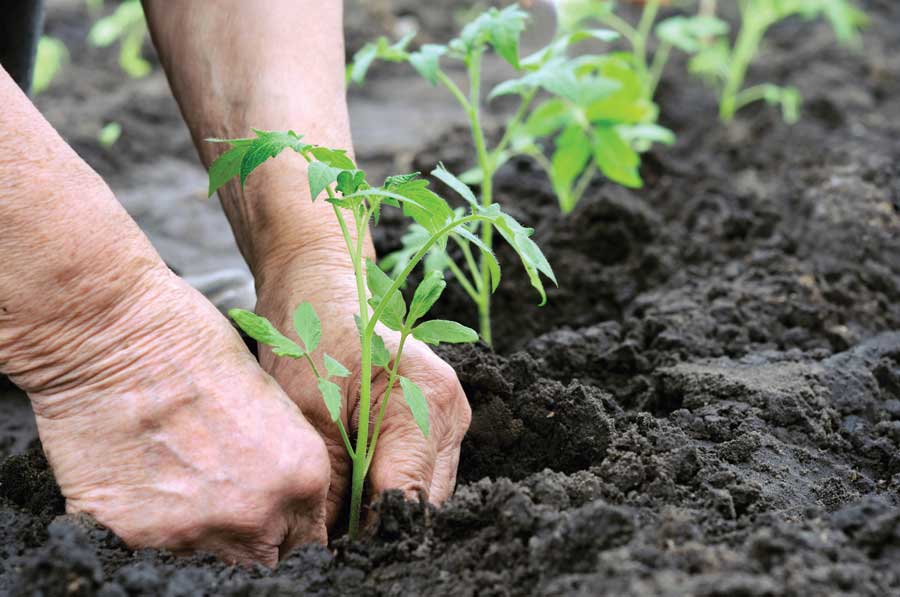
{"points": [[237, 65], [63, 237]]}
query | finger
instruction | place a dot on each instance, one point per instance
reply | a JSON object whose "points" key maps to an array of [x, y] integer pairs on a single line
{"points": [[444, 479], [404, 458], [304, 527]]}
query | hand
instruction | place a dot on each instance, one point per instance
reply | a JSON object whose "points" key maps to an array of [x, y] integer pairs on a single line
{"points": [[160, 424], [404, 459]]}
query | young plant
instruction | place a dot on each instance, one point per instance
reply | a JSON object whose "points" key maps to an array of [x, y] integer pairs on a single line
{"points": [[683, 32], [127, 26], [356, 204], [593, 108], [725, 65]]}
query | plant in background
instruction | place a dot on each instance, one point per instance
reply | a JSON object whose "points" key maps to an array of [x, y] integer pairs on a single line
{"points": [[127, 26], [593, 107], [356, 203], [724, 65], [52, 54], [705, 38]]}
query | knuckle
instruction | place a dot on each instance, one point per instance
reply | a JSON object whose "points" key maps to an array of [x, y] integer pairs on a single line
{"points": [[310, 472]]}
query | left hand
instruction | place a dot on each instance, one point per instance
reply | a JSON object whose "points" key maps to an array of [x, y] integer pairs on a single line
{"points": [[404, 459]]}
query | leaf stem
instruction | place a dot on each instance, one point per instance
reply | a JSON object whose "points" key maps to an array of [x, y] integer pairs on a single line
{"points": [[513, 123], [660, 59], [753, 27], [392, 380], [487, 188], [414, 261], [340, 423], [470, 260], [464, 280]]}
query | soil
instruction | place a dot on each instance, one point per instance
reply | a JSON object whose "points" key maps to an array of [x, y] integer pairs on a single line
{"points": [[709, 404]]}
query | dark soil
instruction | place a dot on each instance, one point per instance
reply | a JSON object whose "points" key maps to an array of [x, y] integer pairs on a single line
{"points": [[708, 405]]}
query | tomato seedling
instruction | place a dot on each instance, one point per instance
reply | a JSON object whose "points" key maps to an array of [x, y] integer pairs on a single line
{"points": [[596, 114], [724, 65], [332, 172]]}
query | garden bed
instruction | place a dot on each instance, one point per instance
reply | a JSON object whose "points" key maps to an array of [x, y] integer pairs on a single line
{"points": [[709, 404]]}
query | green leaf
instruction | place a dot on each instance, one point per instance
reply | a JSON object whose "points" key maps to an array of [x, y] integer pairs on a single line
{"points": [[334, 367], [441, 330], [691, 34], [307, 326], [320, 176], [561, 77], [428, 209], [381, 357], [427, 61], [362, 60], [348, 182], [572, 155], [533, 259], [226, 167], [336, 158], [427, 293], [712, 62], [331, 394], [616, 158], [262, 330], [268, 144], [392, 182], [456, 184], [109, 134], [486, 254], [379, 284], [415, 399], [570, 14], [108, 30], [52, 54], [627, 105], [547, 118], [499, 28], [379, 49]]}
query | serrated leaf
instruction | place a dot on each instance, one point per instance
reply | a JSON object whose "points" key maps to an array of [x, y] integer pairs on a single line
{"points": [[444, 175], [547, 118], [348, 182], [691, 34], [428, 209], [226, 167], [427, 293], [391, 182], [417, 403], [427, 61], [572, 155], [336, 158], [380, 49], [262, 330], [570, 14], [379, 284], [487, 255], [268, 144], [437, 331], [616, 158], [335, 368], [308, 326], [381, 357], [532, 258], [320, 176], [499, 28], [331, 394]]}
